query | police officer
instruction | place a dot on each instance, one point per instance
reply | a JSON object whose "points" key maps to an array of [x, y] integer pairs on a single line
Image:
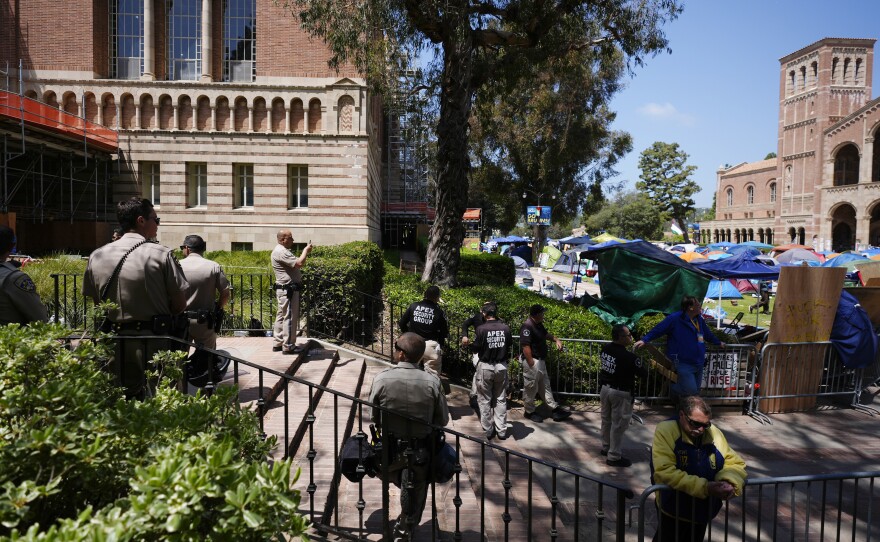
{"points": [[427, 320], [147, 285], [206, 282], [617, 375], [533, 341], [409, 390], [492, 344], [19, 301], [288, 283]]}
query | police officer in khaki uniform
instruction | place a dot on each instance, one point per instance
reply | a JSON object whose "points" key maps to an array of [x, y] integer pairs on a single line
{"points": [[206, 282], [288, 282], [148, 286], [409, 390], [533, 340], [19, 301]]}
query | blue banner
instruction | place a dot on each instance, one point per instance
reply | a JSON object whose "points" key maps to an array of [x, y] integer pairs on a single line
{"points": [[538, 215]]}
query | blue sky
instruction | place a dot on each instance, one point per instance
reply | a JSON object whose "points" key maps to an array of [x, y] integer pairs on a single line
{"points": [[717, 93]]}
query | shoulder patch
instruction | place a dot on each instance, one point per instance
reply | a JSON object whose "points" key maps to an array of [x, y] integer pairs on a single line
{"points": [[25, 284], [526, 332], [638, 362]]}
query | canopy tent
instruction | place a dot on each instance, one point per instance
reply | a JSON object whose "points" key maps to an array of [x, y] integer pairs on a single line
{"points": [[690, 256], [576, 240], [568, 262], [549, 256], [757, 244], [639, 278], [523, 251], [509, 239], [721, 244], [741, 266], [607, 237], [722, 289]]}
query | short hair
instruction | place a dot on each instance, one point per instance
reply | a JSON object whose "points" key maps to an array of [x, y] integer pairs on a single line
{"points": [[412, 345], [119, 231], [690, 403], [195, 243], [688, 302], [7, 239], [432, 293], [617, 331], [129, 210], [536, 309], [489, 308]]}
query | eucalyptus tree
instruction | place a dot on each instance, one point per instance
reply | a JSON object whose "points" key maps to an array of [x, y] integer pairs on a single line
{"points": [[467, 44]]}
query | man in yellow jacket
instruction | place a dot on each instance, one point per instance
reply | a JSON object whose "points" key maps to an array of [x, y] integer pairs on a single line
{"points": [[692, 457]]}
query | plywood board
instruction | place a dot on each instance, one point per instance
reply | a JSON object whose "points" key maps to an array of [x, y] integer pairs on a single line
{"points": [[869, 299], [869, 272], [806, 303]]}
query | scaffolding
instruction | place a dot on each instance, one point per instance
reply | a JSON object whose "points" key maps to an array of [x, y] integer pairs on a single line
{"points": [[407, 206], [55, 173]]}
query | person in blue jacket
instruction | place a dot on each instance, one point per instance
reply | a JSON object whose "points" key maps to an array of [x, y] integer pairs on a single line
{"points": [[686, 335]]}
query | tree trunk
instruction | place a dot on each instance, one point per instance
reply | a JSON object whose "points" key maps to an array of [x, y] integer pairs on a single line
{"points": [[684, 229], [453, 163]]}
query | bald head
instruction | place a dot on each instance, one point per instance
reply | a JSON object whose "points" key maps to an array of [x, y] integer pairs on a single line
{"points": [[285, 239]]}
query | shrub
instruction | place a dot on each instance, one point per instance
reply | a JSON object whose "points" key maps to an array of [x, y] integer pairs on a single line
{"points": [[79, 462], [489, 269]]}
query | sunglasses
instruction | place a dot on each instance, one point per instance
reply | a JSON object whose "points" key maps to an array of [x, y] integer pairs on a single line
{"points": [[397, 348], [183, 247], [154, 218], [697, 425]]}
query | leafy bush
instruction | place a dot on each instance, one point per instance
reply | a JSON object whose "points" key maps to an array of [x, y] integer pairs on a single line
{"points": [[489, 269], [78, 462]]}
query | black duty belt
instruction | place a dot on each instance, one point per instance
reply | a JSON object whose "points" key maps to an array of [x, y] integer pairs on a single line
{"points": [[137, 325], [627, 390]]}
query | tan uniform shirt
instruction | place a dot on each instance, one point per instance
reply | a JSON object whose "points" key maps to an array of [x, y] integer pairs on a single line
{"points": [[284, 265], [150, 282], [19, 301], [409, 390], [206, 279]]}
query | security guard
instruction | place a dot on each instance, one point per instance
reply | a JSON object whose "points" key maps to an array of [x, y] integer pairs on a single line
{"points": [[408, 390], [148, 286], [492, 344], [19, 301], [617, 376], [206, 281], [426, 319], [288, 283], [533, 340]]}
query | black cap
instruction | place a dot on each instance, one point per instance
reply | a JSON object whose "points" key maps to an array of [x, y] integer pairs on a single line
{"points": [[195, 243], [536, 310]]}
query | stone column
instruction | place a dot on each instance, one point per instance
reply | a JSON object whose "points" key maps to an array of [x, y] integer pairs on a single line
{"points": [[213, 124], [176, 124], [865, 161], [306, 111], [251, 118], [207, 41], [149, 46], [287, 114]]}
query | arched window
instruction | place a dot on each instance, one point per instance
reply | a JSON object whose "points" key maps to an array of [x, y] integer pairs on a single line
{"points": [[847, 71], [834, 70], [857, 74], [772, 192], [846, 166], [803, 77], [148, 111], [791, 83], [750, 194], [297, 117], [729, 197], [814, 68]]}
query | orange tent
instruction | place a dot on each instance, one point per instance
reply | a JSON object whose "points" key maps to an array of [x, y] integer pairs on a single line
{"points": [[691, 256]]}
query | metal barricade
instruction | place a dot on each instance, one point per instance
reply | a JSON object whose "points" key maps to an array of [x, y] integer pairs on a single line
{"points": [[830, 507], [792, 376]]}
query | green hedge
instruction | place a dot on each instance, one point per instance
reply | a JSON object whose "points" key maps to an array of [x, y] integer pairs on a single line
{"points": [[79, 462], [488, 269]]}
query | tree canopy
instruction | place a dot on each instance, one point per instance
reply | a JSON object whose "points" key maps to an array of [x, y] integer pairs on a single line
{"points": [[666, 178], [630, 215], [470, 43]]}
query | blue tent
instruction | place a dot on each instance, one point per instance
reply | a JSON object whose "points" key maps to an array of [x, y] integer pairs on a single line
{"points": [[721, 244], [722, 289], [843, 259], [522, 251], [579, 240], [744, 249], [852, 333], [741, 266], [756, 244]]}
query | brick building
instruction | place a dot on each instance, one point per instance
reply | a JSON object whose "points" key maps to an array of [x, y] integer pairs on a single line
{"points": [[228, 119], [823, 188]]}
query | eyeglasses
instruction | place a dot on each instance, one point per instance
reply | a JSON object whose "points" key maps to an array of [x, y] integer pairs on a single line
{"points": [[154, 218], [183, 247], [697, 425]]}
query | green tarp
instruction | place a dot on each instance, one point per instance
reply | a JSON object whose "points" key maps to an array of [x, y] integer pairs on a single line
{"points": [[638, 278], [552, 255]]}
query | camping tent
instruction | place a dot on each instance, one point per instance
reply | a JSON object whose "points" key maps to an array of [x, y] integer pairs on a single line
{"points": [[523, 251], [796, 255], [607, 237], [638, 278], [741, 266], [722, 289], [576, 240], [549, 257], [568, 261]]}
